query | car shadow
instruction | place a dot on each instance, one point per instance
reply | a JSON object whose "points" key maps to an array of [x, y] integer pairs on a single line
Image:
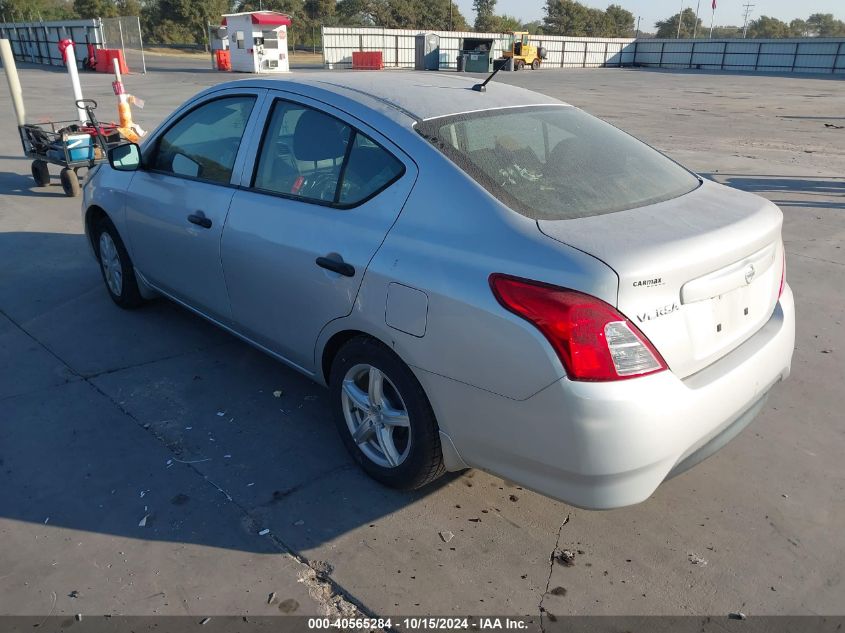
{"points": [[154, 424], [832, 190]]}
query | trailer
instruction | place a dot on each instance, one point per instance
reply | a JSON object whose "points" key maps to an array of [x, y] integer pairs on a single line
{"points": [[68, 144]]}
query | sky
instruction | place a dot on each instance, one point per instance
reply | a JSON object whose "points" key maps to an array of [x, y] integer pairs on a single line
{"points": [[727, 11]]}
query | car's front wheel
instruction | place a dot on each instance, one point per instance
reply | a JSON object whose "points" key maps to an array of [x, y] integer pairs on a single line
{"points": [[383, 415], [117, 269]]}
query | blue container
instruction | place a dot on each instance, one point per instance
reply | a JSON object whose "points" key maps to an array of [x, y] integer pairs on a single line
{"points": [[80, 147]]}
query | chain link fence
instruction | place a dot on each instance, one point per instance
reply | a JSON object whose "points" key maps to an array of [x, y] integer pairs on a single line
{"points": [[124, 33]]}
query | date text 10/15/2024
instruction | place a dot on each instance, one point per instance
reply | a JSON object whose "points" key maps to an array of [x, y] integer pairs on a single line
{"points": [[420, 623]]}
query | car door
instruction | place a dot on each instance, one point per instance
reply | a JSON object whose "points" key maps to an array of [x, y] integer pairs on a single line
{"points": [[176, 204], [309, 216]]}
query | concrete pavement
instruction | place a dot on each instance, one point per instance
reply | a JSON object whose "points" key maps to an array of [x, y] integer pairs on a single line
{"points": [[112, 416]]}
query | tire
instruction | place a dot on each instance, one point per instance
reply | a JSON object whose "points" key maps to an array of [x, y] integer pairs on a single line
{"points": [[518, 64], [535, 65], [417, 454], [112, 255], [70, 182], [40, 173]]}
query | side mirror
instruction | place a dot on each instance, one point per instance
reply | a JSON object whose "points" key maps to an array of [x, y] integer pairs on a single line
{"points": [[125, 157]]}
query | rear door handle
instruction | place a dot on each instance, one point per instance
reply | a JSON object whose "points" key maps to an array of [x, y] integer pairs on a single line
{"points": [[200, 219], [338, 266]]}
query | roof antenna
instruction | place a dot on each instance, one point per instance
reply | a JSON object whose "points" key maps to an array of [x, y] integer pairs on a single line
{"points": [[483, 87]]}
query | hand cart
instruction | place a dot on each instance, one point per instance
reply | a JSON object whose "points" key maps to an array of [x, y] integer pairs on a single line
{"points": [[69, 145]]}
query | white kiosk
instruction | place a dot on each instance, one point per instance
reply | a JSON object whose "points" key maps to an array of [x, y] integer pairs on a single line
{"points": [[258, 41]]}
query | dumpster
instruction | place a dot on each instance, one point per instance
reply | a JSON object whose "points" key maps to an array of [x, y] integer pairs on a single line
{"points": [[479, 62], [478, 54]]}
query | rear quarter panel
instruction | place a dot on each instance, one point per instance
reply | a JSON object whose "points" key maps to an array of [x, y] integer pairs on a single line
{"points": [[449, 238]]}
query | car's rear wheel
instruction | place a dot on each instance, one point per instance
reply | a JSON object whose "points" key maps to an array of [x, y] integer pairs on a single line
{"points": [[383, 416], [117, 269]]}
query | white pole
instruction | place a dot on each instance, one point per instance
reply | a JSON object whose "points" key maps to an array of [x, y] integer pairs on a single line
{"points": [[141, 46], [12, 78], [70, 61], [116, 65], [712, 17], [695, 26], [680, 19]]}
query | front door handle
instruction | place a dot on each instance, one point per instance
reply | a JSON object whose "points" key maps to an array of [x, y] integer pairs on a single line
{"points": [[338, 266], [200, 219]]}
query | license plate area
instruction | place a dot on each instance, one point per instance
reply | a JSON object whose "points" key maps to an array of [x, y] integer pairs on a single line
{"points": [[722, 321]]}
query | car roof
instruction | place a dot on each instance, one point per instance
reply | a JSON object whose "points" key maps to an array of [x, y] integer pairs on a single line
{"points": [[418, 95]]}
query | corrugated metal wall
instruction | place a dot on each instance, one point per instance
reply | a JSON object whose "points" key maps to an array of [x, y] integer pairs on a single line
{"points": [[398, 47], [37, 42], [818, 55], [808, 55]]}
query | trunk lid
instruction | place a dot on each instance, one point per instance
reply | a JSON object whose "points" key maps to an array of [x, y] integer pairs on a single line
{"points": [[698, 275]]}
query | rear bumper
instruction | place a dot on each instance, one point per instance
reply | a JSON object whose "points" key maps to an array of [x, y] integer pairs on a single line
{"points": [[607, 445]]}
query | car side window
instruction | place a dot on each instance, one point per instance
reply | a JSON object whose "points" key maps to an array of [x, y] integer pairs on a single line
{"points": [[204, 143], [302, 153], [311, 155], [369, 170]]}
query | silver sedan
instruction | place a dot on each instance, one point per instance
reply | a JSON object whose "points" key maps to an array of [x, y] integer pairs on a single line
{"points": [[489, 279]]}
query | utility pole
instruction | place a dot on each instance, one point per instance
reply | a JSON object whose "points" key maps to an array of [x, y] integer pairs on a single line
{"points": [[638, 26], [748, 8], [680, 19], [695, 26]]}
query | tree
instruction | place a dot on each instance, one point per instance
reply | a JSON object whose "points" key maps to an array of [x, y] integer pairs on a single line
{"points": [[825, 25], [129, 7], [621, 21], [669, 28], [485, 15], [320, 11], [190, 18], [566, 17], [767, 27], [32, 10], [353, 13], [95, 8], [799, 28], [506, 24], [535, 27], [434, 15], [726, 32], [394, 14]]}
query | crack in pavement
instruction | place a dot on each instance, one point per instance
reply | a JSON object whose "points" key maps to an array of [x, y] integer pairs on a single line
{"points": [[315, 575], [551, 571]]}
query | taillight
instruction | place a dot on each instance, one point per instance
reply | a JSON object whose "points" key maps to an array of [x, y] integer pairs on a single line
{"points": [[593, 341], [782, 275]]}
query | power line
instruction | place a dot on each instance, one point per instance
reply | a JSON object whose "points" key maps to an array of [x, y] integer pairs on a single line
{"points": [[748, 8]]}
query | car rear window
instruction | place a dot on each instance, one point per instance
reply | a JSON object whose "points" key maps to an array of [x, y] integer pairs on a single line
{"points": [[558, 162]]}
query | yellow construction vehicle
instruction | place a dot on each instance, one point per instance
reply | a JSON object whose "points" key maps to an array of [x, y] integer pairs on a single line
{"points": [[523, 54]]}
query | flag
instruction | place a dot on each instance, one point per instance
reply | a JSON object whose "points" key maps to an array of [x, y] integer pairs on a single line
{"points": [[714, 5]]}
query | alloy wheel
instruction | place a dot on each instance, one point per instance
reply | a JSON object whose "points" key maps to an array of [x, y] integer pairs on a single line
{"points": [[110, 261], [376, 416]]}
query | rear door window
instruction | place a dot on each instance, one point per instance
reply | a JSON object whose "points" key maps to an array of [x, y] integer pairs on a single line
{"points": [[313, 156]]}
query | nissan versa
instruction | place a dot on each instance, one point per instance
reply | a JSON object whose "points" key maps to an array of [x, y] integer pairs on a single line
{"points": [[489, 279]]}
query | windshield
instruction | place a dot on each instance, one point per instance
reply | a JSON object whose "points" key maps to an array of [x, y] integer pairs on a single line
{"points": [[557, 163]]}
